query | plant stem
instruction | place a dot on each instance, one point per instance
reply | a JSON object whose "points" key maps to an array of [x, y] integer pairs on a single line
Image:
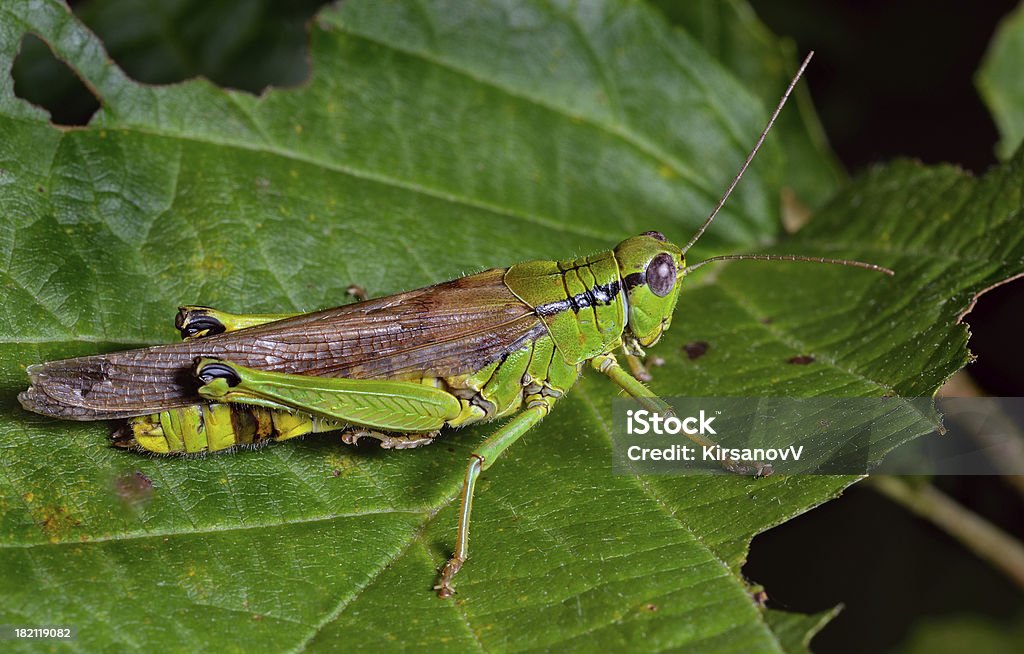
{"points": [[977, 534], [1006, 451]]}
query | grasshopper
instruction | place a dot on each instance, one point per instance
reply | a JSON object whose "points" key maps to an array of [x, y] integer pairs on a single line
{"points": [[503, 343]]}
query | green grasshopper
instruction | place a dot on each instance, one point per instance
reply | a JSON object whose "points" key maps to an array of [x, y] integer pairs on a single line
{"points": [[503, 343]]}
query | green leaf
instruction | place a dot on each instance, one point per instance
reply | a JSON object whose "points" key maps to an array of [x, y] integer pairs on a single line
{"points": [[961, 633], [434, 140], [795, 631], [1000, 83], [731, 32]]}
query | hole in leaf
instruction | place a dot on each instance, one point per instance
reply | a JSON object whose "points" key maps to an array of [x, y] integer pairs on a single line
{"points": [[47, 82], [995, 340], [236, 44]]}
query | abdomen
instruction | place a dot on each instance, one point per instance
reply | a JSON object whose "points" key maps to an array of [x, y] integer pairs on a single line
{"points": [[216, 428]]}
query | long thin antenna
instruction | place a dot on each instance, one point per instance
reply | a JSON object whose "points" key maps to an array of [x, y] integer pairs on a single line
{"points": [[750, 157], [786, 257]]}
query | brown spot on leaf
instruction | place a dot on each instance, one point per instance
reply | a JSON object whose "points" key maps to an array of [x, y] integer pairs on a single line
{"points": [[801, 359], [56, 522], [651, 607], [696, 349]]}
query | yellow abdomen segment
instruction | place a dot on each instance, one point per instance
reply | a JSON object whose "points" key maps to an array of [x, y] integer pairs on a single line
{"points": [[217, 427]]}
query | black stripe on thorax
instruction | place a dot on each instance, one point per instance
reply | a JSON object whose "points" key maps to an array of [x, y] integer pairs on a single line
{"points": [[633, 280], [599, 295]]}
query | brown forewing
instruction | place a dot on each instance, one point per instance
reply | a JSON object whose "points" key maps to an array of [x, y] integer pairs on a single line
{"points": [[446, 329]]}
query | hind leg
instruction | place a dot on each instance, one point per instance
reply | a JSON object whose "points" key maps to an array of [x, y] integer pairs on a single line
{"points": [[194, 321], [198, 322]]}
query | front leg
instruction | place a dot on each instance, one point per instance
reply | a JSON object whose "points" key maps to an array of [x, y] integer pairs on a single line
{"points": [[607, 365], [635, 359]]}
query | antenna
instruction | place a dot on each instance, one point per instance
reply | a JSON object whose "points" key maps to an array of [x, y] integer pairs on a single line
{"points": [[787, 257], [750, 157], [736, 180]]}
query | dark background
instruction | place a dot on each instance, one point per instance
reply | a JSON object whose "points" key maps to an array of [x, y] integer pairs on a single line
{"points": [[895, 79], [889, 80]]}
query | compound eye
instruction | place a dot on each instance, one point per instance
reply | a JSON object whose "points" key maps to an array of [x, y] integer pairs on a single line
{"points": [[657, 236], [661, 274]]}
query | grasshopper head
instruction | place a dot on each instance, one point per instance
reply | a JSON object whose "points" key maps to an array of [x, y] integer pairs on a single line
{"points": [[649, 266]]}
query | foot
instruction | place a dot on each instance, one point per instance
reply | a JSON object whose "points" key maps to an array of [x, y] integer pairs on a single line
{"points": [[444, 585]]}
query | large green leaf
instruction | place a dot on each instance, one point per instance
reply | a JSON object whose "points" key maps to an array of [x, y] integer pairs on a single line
{"points": [[432, 140], [731, 32], [1001, 84]]}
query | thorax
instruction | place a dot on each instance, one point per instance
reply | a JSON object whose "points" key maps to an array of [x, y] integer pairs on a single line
{"points": [[581, 301]]}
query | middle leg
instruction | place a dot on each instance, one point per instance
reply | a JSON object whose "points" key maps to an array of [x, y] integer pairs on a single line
{"points": [[481, 459]]}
